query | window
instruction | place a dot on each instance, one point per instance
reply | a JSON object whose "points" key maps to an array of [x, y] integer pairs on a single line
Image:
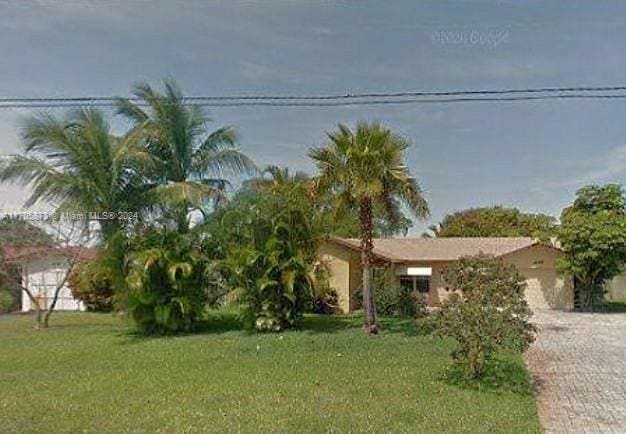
{"points": [[422, 284], [406, 283], [419, 284]]}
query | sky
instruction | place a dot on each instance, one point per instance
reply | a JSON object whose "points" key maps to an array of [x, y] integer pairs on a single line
{"points": [[530, 155]]}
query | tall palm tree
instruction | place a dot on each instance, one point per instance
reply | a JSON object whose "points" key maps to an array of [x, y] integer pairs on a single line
{"points": [[363, 168], [79, 165], [192, 163]]}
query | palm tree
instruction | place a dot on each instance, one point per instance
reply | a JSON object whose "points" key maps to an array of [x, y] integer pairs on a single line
{"points": [[363, 168], [192, 162], [275, 178], [77, 164]]}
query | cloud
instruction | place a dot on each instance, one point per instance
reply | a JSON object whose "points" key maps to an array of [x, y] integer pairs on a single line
{"points": [[608, 167], [611, 167]]}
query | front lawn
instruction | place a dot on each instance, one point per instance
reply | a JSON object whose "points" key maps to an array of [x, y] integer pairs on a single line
{"points": [[89, 372]]}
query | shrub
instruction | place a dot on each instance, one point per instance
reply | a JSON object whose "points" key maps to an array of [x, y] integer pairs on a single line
{"points": [[166, 284], [325, 303], [487, 313], [7, 301], [265, 249], [393, 300], [272, 281], [92, 283], [325, 299], [272, 273]]}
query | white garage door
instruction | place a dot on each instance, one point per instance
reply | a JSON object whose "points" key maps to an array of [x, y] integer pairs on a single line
{"points": [[540, 283]]}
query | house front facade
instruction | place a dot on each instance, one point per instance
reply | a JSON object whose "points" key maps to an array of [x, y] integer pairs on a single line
{"points": [[416, 264]]}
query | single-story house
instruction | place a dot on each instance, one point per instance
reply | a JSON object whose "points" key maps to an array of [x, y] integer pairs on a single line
{"points": [[41, 269], [416, 264]]}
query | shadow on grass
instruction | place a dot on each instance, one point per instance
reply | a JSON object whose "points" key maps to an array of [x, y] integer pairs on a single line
{"points": [[612, 307], [502, 374], [314, 323], [338, 323], [218, 322]]}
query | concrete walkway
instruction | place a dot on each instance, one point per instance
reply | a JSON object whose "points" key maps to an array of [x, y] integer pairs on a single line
{"points": [[579, 366]]}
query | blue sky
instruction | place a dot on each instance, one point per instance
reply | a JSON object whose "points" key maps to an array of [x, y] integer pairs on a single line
{"points": [[531, 155]]}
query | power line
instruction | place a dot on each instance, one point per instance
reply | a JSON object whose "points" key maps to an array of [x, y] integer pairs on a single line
{"points": [[337, 96], [357, 99], [332, 103], [330, 96]]}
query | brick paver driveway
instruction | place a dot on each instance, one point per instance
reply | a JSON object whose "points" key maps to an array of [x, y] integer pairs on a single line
{"points": [[579, 366]]}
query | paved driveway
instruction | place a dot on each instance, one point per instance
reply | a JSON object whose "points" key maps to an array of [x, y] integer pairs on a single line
{"points": [[579, 365]]}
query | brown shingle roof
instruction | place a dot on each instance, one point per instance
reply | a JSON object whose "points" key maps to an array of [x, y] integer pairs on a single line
{"points": [[438, 249]]}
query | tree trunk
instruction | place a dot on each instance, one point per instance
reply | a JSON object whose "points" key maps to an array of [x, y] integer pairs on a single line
{"points": [[46, 319], [369, 305], [182, 221]]}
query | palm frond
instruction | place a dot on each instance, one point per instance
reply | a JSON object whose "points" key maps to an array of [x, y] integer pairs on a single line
{"points": [[224, 162], [190, 193]]}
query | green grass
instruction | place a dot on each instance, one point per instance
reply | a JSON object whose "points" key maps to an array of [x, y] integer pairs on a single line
{"points": [[90, 373]]}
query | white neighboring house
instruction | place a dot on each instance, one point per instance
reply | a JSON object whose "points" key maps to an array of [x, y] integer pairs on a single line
{"points": [[42, 269]]}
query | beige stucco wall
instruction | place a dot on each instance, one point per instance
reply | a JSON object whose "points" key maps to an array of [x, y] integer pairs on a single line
{"points": [[344, 272], [616, 288], [545, 287]]}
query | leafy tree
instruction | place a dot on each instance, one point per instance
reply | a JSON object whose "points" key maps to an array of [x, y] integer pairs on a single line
{"points": [[18, 232], [593, 235], [191, 161], [92, 283], [488, 311], [166, 282], [78, 164], [362, 169], [493, 222]]}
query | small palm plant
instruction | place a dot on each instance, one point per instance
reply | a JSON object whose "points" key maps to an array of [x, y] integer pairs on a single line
{"points": [[363, 168], [271, 266], [166, 284]]}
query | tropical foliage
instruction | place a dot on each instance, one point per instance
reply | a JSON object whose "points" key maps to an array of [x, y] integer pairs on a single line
{"points": [[265, 247], [593, 235], [166, 283], [191, 162], [79, 165], [486, 313], [363, 169], [331, 220]]}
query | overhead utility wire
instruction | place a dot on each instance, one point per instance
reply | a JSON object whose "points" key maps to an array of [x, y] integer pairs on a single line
{"points": [[329, 97], [331, 103]]}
